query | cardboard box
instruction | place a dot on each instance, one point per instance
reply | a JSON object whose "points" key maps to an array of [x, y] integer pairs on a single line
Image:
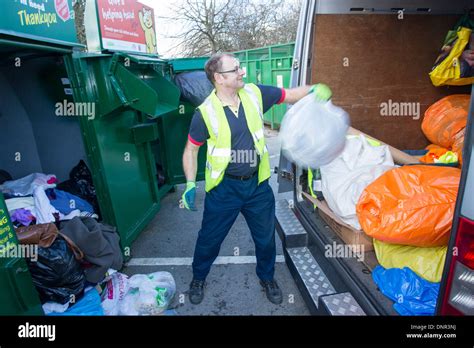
{"points": [[347, 233]]}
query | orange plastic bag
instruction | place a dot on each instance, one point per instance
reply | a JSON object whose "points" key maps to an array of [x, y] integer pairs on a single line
{"points": [[434, 152], [445, 118], [410, 205]]}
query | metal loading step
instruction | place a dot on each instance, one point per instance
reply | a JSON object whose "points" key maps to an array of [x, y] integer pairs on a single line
{"points": [[319, 293]]}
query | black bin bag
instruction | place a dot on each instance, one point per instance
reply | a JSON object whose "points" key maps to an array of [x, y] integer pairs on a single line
{"points": [[194, 86], [57, 275]]}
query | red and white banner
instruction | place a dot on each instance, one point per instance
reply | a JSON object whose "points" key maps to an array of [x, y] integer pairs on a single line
{"points": [[127, 25], [62, 9]]}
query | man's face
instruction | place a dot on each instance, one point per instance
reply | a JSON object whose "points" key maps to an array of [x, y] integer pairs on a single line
{"points": [[230, 75]]}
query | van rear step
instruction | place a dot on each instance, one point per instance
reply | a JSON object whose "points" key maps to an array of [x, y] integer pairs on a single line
{"points": [[310, 278], [319, 294], [294, 234], [340, 304]]}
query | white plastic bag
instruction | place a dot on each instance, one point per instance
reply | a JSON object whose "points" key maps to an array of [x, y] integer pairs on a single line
{"points": [[148, 294], [115, 290], [344, 179], [313, 133]]}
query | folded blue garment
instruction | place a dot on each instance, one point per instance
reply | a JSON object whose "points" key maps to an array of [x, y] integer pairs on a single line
{"points": [[61, 200]]}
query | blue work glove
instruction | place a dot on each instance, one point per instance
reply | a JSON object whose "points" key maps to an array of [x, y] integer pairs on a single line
{"points": [[189, 196], [321, 92]]}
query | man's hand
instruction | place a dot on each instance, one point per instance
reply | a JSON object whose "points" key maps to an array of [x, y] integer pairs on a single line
{"points": [[189, 196], [321, 92]]}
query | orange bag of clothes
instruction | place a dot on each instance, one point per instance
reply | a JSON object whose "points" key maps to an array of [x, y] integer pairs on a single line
{"points": [[445, 118], [410, 205]]}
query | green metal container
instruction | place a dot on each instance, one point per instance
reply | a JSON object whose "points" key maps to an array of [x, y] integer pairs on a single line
{"points": [[269, 65], [173, 130], [141, 125], [188, 64], [133, 140], [18, 295], [32, 81]]}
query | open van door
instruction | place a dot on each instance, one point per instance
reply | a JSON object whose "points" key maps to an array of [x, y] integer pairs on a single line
{"points": [[457, 286], [370, 52], [300, 75]]}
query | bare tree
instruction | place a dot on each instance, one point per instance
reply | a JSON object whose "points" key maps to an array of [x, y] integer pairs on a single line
{"points": [[284, 23], [205, 25], [209, 26], [79, 9]]}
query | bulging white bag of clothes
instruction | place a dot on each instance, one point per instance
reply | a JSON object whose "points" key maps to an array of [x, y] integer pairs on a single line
{"points": [[313, 133], [148, 294], [114, 292], [345, 178]]}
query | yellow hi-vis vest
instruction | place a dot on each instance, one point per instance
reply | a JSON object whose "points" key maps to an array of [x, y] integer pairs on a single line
{"points": [[219, 143]]}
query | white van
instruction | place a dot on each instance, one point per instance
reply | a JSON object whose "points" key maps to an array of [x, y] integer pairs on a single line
{"points": [[371, 52]]}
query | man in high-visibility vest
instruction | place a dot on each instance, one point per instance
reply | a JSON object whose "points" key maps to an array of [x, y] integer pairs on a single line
{"points": [[237, 168]]}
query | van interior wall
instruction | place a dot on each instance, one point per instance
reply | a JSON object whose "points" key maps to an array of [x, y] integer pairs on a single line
{"points": [[368, 60], [47, 143]]}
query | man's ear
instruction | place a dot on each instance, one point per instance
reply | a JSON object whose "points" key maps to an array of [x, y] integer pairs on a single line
{"points": [[218, 78]]}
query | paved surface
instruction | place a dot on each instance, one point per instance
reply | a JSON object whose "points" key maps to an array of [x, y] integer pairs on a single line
{"points": [[232, 289]]}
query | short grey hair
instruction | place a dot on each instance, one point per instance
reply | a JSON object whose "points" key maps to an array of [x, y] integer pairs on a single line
{"points": [[214, 64]]}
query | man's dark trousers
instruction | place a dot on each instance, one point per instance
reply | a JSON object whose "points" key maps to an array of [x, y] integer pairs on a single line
{"points": [[222, 206]]}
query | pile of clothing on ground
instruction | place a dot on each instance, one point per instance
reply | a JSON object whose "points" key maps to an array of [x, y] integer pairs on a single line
{"points": [[38, 198], [75, 267], [407, 210], [72, 258], [74, 272]]}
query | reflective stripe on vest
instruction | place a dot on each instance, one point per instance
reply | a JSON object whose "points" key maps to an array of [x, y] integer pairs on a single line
{"points": [[257, 104], [219, 142]]}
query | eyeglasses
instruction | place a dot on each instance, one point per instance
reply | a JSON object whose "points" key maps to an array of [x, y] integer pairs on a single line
{"points": [[235, 70]]}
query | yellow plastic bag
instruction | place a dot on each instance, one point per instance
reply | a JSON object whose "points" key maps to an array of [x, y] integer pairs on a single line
{"points": [[428, 263], [448, 72]]}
